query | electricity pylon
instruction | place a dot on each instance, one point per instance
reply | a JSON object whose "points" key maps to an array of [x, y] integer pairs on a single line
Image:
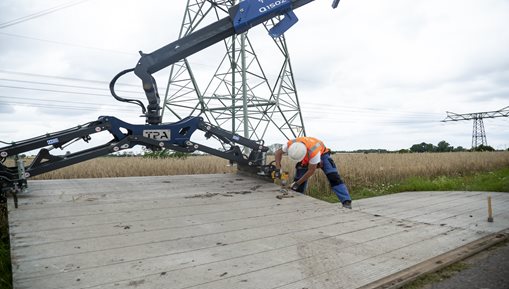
{"points": [[478, 131], [240, 96]]}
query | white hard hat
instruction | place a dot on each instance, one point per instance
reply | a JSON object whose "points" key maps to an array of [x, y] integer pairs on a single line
{"points": [[297, 151]]}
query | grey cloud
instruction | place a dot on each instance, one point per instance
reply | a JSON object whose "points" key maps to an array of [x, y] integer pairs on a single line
{"points": [[5, 108]]}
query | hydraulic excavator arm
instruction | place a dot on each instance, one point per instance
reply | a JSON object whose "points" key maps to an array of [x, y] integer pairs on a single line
{"points": [[154, 134]]}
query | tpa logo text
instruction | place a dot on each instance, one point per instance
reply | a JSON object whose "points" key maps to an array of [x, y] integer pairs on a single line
{"points": [[158, 134]]}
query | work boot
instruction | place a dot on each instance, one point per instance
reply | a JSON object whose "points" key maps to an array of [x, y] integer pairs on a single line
{"points": [[347, 204]]}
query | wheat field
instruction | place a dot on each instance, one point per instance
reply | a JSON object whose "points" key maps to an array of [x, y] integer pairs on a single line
{"points": [[357, 170], [365, 170], [107, 167]]}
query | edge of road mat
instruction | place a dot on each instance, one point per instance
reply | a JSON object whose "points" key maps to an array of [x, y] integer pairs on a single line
{"points": [[397, 280]]}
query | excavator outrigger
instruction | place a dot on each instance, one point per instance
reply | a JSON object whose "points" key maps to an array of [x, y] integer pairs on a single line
{"points": [[153, 134]]}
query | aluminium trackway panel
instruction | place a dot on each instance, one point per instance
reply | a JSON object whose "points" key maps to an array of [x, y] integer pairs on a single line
{"points": [[229, 231]]}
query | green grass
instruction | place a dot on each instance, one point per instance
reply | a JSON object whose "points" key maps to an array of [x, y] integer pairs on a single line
{"points": [[5, 267], [496, 181], [446, 272], [5, 255], [436, 277]]}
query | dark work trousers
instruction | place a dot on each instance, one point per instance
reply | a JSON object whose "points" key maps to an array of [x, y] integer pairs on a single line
{"points": [[331, 171]]}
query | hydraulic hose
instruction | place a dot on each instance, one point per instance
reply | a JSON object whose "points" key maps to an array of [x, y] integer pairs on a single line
{"points": [[112, 89]]}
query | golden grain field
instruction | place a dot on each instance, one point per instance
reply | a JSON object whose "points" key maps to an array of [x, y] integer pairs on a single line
{"points": [[358, 170], [364, 170], [107, 167]]}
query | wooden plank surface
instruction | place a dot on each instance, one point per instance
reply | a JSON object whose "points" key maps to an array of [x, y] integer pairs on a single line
{"points": [[229, 231]]}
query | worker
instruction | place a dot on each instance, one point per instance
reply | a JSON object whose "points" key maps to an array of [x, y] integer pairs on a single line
{"points": [[310, 154]]}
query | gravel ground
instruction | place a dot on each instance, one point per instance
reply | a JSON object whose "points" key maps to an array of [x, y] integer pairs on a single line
{"points": [[486, 270]]}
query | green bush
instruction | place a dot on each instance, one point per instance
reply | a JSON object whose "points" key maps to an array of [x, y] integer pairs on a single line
{"points": [[5, 255], [165, 154]]}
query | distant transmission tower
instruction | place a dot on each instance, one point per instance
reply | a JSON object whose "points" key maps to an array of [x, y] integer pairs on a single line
{"points": [[240, 96], [478, 131]]}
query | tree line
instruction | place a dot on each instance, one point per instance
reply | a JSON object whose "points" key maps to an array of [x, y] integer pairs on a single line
{"points": [[423, 147], [444, 146]]}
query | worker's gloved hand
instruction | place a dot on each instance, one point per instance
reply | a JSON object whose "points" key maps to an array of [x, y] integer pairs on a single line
{"points": [[294, 186], [277, 174]]}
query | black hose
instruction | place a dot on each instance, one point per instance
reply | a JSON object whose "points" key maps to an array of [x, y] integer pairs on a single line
{"points": [[112, 89]]}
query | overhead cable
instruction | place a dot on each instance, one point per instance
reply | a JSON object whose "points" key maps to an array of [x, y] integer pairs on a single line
{"points": [[62, 77], [67, 44], [40, 13], [64, 85]]}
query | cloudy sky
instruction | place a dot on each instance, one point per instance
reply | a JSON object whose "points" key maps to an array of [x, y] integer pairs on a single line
{"points": [[370, 74]]}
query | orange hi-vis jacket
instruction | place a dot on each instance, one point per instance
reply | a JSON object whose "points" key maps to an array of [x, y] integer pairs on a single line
{"points": [[313, 146]]}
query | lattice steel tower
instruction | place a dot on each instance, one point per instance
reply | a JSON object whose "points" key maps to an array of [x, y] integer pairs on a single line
{"points": [[240, 96], [478, 131]]}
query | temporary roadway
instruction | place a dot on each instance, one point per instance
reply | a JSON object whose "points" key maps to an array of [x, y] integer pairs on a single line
{"points": [[230, 231]]}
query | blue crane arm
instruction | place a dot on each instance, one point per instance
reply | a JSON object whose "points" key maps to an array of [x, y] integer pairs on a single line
{"points": [[242, 17], [172, 136], [154, 134]]}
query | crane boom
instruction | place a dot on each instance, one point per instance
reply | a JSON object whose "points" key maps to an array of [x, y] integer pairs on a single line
{"points": [[242, 17], [154, 134]]}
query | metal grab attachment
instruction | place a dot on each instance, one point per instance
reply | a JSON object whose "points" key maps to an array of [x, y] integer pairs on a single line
{"points": [[174, 136]]}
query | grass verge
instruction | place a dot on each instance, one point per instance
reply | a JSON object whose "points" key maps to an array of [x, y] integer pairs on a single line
{"points": [[428, 280], [436, 277], [5, 253], [494, 181]]}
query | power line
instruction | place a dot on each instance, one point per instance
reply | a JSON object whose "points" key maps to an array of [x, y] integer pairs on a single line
{"points": [[49, 103], [409, 117], [56, 106], [328, 110], [67, 44], [52, 90], [12, 100], [310, 107], [368, 109], [40, 13], [337, 113], [65, 85], [63, 77]]}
